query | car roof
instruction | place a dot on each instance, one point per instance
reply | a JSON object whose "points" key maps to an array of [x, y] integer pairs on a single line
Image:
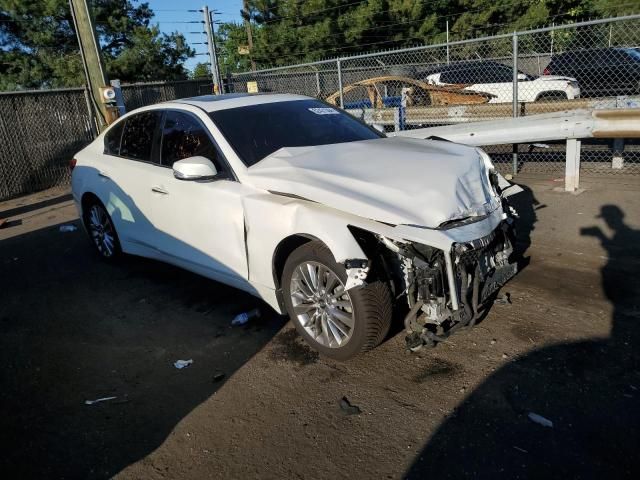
{"points": [[582, 51], [460, 65], [211, 103]]}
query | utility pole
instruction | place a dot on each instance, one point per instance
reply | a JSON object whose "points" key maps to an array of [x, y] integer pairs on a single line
{"points": [[94, 70], [213, 58], [247, 26], [447, 42], [215, 51]]}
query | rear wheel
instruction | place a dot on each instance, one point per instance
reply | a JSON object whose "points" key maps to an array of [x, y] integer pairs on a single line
{"points": [[336, 322], [101, 231]]}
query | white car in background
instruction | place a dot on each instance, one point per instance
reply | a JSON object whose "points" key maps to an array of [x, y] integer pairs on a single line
{"points": [[304, 206], [497, 79]]}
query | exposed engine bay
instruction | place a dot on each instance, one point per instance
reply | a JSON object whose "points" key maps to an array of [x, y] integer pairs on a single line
{"points": [[447, 291]]}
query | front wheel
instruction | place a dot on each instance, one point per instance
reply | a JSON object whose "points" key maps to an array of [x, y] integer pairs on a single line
{"points": [[336, 322]]}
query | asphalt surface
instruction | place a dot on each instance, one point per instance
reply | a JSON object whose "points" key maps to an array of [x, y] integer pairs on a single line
{"points": [[257, 402]]}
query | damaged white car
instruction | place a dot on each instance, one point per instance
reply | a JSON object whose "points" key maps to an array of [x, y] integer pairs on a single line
{"points": [[306, 207]]}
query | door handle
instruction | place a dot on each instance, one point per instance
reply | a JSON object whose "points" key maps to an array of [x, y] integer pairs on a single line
{"points": [[159, 190], [104, 175]]}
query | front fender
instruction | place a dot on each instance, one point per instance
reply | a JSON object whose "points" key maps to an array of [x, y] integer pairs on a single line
{"points": [[271, 218]]}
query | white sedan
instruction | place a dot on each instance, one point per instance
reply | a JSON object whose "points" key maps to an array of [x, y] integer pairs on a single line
{"points": [[302, 205], [497, 79]]}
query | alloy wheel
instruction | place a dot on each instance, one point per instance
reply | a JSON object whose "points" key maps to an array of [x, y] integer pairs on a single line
{"points": [[321, 304], [102, 231]]}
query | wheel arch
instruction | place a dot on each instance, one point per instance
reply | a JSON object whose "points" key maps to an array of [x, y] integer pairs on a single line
{"points": [[282, 251], [87, 199], [551, 95]]}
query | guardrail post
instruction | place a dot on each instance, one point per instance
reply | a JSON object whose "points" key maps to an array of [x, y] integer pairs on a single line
{"points": [[516, 109], [396, 119], [617, 160], [339, 65], [572, 165]]}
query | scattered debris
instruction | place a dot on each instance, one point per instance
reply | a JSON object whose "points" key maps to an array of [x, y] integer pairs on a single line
{"points": [[520, 449], [504, 355], [349, 409], [218, 376], [182, 363], [2, 222], [493, 341], [68, 228], [540, 420], [98, 400], [243, 318], [504, 299]]}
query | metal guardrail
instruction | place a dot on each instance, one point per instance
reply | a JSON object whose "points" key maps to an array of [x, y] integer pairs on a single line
{"points": [[572, 127], [414, 117]]}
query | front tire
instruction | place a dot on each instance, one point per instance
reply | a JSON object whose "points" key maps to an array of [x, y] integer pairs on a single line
{"points": [[102, 232], [337, 323]]}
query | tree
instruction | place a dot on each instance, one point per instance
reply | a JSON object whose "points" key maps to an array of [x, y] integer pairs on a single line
{"points": [[292, 31], [201, 70], [39, 48]]}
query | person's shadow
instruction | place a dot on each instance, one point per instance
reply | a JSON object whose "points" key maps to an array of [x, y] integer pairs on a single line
{"points": [[590, 390]]}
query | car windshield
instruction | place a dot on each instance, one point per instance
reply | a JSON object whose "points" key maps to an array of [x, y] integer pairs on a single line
{"points": [[257, 131]]}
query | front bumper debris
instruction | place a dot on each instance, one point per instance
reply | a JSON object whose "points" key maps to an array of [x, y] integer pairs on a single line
{"points": [[450, 290]]}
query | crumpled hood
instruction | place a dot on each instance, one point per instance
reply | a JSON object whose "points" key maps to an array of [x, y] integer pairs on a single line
{"points": [[394, 180]]}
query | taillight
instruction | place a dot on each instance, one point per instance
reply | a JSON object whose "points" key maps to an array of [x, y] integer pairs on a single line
{"points": [[72, 163], [546, 71]]}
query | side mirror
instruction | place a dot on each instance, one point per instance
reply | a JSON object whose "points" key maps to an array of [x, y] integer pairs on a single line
{"points": [[522, 76], [194, 168]]}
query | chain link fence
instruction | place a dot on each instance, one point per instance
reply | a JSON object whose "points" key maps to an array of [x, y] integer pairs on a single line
{"points": [[40, 131], [138, 95], [588, 65]]}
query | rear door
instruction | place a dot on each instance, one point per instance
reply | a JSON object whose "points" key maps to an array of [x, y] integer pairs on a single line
{"points": [[200, 224], [130, 159]]}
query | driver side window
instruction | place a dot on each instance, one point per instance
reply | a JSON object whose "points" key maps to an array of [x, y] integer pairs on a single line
{"points": [[183, 136]]}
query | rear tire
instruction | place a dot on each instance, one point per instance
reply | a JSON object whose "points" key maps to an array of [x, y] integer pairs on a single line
{"points": [[337, 323], [101, 230]]}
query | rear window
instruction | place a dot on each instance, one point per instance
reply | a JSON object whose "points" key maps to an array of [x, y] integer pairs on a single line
{"points": [[112, 139], [137, 139], [257, 131]]}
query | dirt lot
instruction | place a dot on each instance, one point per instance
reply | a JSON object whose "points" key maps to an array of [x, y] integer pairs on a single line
{"points": [[73, 328]]}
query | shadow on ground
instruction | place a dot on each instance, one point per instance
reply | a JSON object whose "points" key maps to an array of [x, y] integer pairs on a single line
{"points": [[589, 390], [75, 329]]}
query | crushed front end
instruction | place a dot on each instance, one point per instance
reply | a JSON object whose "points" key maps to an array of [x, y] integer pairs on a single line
{"points": [[449, 288]]}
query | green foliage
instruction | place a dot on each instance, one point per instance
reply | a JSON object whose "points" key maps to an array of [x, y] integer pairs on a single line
{"points": [[294, 31], [201, 70], [39, 49]]}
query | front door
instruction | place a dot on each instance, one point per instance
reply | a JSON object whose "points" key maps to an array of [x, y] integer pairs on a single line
{"points": [[199, 225]]}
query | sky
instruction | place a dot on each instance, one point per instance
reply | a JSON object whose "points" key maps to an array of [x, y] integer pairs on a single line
{"points": [[171, 15]]}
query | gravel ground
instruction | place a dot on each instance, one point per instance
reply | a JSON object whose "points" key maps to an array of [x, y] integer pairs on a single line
{"points": [[257, 402]]}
